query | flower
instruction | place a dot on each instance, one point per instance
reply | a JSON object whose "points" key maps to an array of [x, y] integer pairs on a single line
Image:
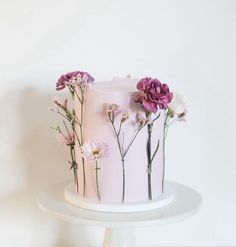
{"points": [[73, 77], [58, 103], [124, 117], [178, 107], [153, 95], [67, 139], [112, 110], [94, 150], [141, 119]]}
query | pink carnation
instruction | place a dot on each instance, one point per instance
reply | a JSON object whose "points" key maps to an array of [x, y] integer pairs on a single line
{"points": [[153, 95], [64, 79]]}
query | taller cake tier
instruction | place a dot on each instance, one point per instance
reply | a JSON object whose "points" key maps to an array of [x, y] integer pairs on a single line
{"points": [[117, 179]]}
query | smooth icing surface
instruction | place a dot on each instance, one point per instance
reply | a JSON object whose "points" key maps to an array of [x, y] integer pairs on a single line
{"points": [[97, 126], [90, 203]]}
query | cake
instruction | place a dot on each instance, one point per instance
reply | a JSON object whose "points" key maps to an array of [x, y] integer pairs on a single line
{"points": [[116, 134]]}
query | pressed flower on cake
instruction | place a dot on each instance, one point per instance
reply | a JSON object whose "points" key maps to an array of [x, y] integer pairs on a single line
{"points": [[93, 150], [77, 83], [112, 111], [153, 96]]}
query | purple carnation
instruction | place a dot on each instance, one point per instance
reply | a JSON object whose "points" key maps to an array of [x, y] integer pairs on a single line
{"points": [[153, 95], [61, 83]]}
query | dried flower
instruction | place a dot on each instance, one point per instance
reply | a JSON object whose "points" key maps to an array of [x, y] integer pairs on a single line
{"points": [[67, 139], [112, 110], [182, 116], [63, 105], [94, 150], [178, 107], [76, 78], [124, 117], [142, 120], [153, 95]]}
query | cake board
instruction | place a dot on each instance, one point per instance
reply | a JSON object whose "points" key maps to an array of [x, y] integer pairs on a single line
{"points": [[120, 226]]}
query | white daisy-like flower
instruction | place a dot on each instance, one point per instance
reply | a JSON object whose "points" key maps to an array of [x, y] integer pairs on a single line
{"points": [[94, 150], [178, 106]]}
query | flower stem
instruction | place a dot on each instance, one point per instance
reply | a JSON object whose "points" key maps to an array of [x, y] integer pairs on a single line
{"points": [[81, 139], [123, 181], [164, 158], [97, 180], [74, 165], [149, 168]]}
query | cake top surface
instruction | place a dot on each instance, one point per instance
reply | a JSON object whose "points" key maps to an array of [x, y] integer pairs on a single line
{"points": [[117, 84]]}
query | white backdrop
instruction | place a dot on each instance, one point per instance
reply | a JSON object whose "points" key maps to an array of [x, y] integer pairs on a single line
{"points": [[189, 44]]}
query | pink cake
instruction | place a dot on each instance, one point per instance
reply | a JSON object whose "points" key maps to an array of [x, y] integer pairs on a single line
{"points": [[116, 135]]}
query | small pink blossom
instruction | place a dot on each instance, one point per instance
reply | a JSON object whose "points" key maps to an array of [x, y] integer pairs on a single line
{"points": [[73, 77], [67, 139], [94, 150], [124, 117], [62, 104], [141, 119], [112, 110], [153, 95]]}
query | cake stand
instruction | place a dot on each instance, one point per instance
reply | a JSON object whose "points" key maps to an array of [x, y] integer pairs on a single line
{"points": [[119, 226]]}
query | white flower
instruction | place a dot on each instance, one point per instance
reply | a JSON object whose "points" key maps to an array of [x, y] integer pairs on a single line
{"points": [[94, 150], [178, 106], [142, 119]]}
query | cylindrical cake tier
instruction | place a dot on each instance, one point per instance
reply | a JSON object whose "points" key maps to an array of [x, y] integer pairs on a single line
{"points": [[96, 126]]}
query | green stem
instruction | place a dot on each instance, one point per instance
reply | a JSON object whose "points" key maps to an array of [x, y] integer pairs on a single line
{"points": [[97, 180], [75, 172], [149, 170], [82, 141], [81, 100], [164, 159], [123, 181], [72, 152]]}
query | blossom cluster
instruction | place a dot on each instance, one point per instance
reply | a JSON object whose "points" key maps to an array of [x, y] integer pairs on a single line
{"points": [[72, 79]]}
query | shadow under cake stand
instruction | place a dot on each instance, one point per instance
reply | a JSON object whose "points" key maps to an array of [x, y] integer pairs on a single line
{"points": [[119, 226]]}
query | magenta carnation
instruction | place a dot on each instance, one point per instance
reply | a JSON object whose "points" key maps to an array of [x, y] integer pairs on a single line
{"points": [[61, 83], [153, 95]]}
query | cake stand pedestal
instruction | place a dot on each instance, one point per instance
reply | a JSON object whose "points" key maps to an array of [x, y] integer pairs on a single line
{"points": [[119, 226]]}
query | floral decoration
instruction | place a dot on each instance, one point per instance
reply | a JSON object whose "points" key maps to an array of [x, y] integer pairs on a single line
{"points": [[94, 150], [76, 82], [112, 112], [153, 96]]}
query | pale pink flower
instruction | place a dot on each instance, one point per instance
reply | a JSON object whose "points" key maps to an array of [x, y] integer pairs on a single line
{"points": [[62, 104], [178, 107], [67, 139], [142, 120], [94, 150], [124, 117], [112, 110]]}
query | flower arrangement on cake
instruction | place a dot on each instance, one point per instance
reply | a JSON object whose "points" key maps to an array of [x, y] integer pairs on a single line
{"points": [[116, 133]]}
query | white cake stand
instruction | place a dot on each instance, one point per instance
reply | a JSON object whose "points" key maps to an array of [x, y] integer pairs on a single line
{"points": [[119, 226]]}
